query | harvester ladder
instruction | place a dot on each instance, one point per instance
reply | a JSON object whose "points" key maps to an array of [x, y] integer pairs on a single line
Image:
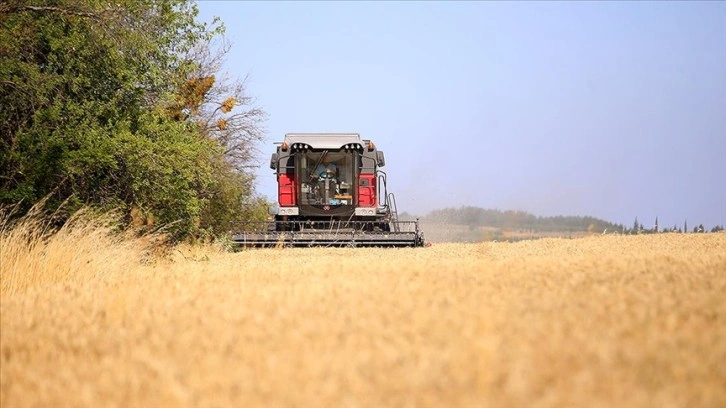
{"points": [[382, 182], [389, 202]]}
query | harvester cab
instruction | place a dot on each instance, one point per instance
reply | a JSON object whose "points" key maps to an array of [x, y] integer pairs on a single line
{"points": [[331, 191]]}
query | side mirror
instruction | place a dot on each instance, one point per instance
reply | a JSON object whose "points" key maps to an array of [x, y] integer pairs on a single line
{"points": [[273, 161], [380, 159]]}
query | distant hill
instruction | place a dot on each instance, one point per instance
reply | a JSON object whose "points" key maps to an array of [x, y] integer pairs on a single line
{"points": [[473, 224]]}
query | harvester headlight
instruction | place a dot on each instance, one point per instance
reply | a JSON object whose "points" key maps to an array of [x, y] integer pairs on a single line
{"points": [[283, 146], [365, 211], [288, 211]]}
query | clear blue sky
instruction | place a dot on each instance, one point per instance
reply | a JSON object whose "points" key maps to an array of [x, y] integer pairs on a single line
{"points": [[611, 109]]}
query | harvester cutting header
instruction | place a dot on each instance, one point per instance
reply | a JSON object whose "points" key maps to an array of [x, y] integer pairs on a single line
{"points": [[331, 192]]}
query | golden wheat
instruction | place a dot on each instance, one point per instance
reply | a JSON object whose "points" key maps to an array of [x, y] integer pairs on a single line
{"points": [[599, 321]]}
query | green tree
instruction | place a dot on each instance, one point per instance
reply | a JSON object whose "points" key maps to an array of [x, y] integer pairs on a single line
{"points": [[102, 104]]}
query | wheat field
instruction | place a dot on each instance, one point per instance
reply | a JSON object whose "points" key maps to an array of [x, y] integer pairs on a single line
{"points": [[92, 320]]}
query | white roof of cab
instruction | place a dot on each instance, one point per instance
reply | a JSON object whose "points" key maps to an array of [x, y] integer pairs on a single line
{"points": [[323, 140]]}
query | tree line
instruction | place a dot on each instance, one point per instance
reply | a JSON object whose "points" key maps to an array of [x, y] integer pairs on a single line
{"points": [[520, 220], [638, 228], [516, 220], [121, 105]]}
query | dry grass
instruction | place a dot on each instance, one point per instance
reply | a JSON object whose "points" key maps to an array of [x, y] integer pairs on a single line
{"points": [[601, 321]]}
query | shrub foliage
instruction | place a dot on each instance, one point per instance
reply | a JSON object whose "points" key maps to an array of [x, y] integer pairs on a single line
{"points": [[118, 105]]}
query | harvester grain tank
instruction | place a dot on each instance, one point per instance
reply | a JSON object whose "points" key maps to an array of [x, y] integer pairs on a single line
{"points": [[331, 191]]}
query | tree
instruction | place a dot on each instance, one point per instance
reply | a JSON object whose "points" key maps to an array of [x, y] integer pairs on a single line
{"points": [[87, 90], [222, 111]]}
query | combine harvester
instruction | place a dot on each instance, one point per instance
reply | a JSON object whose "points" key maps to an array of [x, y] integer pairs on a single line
{"points": [[331, 192]]}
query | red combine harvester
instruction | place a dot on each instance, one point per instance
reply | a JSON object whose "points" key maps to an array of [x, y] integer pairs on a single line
{"points": [[331, 192]]}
